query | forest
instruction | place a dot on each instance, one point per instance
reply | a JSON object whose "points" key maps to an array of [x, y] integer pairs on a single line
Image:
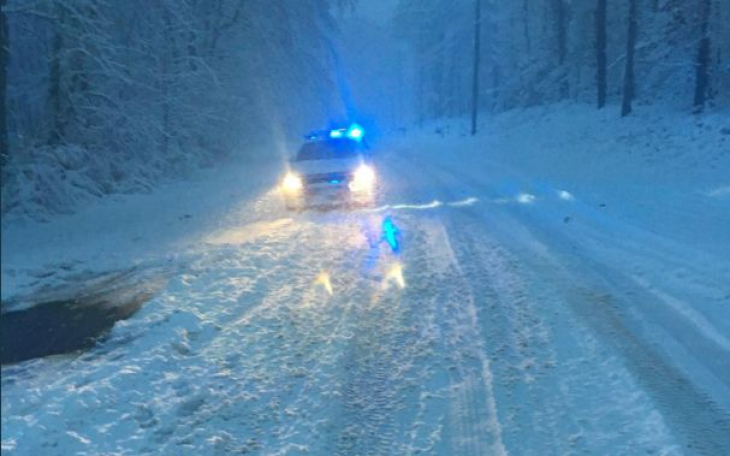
{"points": [[105, 97], [537, 52]]}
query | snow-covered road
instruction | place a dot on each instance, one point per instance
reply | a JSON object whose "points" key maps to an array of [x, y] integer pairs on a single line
{"points": [[518, 318]]}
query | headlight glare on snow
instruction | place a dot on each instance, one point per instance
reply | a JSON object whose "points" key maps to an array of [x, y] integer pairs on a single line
{"points": [[292, 183], [363, 179]]}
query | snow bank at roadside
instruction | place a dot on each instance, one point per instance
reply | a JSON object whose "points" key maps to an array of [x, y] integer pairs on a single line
{"points": [[47, 181], [663, 170], [123, 231], [660, 145], [576, 140]]}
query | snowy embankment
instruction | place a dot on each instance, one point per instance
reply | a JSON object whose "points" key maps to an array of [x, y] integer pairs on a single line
{"points": [[563, 284], [122, 231], [47, 181]]}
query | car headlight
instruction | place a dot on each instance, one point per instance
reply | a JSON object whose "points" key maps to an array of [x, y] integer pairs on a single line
{"points": [[363, 179], [292, 183]]}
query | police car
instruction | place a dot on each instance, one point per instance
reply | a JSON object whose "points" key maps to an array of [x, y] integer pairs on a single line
{"points": [[333, 167]]}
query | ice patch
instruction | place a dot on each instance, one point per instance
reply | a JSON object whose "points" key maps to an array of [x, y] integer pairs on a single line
{"points": [[466, 202], [432, 205], [565, 195], [525, 198]]}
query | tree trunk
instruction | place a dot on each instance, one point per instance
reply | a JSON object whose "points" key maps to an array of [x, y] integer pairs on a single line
{"points": [[629, 78], [601, 52], [165, 79], [494, 54], [702, 81], [4, 46], [526, 24], [477, 58], [562, 32], [54, 82], [562, 35]]}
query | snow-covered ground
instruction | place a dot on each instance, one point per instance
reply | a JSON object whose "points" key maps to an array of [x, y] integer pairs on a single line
{"points": [[563, 287]]}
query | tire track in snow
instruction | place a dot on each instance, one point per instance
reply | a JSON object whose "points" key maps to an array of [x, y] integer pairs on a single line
{"points": [[473, 417], [383, 362], [555, 395], [475, 413], [624, 316], [480, 283], [515, 345], [368, 401]]}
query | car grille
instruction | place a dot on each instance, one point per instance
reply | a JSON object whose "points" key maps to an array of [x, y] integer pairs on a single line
{"points": [[327, 178]]}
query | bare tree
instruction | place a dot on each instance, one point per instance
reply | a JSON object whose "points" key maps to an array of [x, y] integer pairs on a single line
{"points": [[601, 52], [562, 34], [629, 76], [526, 24], [561, 22], [702, 79], [165, 78], [54, 82], [3, 83], [477, 59]]}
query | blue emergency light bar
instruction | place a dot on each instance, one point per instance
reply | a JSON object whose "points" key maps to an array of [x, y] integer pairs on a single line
{"points": [[354, 132]]}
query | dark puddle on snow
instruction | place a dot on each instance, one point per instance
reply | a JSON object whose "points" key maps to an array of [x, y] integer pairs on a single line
{"points": [[73, 318]]}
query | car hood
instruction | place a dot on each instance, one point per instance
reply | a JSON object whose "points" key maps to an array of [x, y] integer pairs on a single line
{"points": [[308, 167]]}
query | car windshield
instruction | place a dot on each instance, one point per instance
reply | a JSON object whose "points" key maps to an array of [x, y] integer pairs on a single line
{"points": [[329, 150]]}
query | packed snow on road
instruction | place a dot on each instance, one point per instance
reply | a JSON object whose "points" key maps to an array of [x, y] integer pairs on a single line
{"points": [[544, 277]]}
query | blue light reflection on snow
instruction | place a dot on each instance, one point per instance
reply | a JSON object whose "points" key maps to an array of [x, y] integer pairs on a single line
{"points": [[390, 234]]}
